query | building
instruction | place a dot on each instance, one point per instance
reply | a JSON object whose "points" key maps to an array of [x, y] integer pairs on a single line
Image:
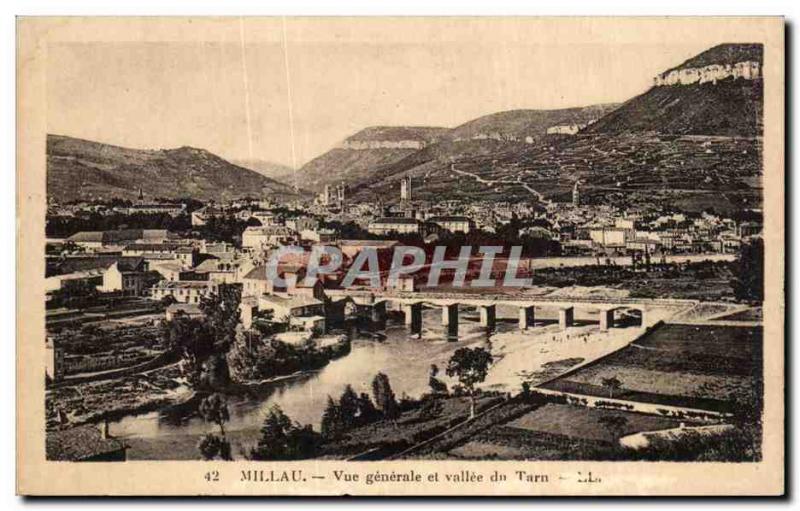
{"points": [[608, 238], [184, 254], [351, 248], [576, 195], [390, 225], [326, 195], [121, 237], [189, 291], [319, 235], [169, 270], [84, 443], [201, 216], [265, 218], [642, 245], [223, 270], [54, 359], [405, 189], [341, 198], [190, 310], [291, 306], [255, 238], [172, 210], [302, 223], [453, 223], [129, 275], [747, 229]]}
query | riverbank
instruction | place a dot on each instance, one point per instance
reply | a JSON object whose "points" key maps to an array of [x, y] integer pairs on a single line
{"points": [[134, 394]]}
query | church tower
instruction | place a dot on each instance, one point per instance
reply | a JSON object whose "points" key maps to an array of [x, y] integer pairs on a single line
{"points": [[576, 195], [405, 189]]}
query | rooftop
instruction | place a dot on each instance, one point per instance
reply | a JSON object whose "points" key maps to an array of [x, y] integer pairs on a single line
{"points": [[82, 264], [367, 243], [449, 218], [395, 220], [80, 443], [290, 301], [119, 235], [186, 308], [183, 284]]}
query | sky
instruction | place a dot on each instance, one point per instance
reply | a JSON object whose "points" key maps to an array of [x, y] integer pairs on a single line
{"points": [[286, 92]]}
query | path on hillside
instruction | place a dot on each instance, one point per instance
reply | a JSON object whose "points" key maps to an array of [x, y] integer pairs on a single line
{"points": [[492, 182]]}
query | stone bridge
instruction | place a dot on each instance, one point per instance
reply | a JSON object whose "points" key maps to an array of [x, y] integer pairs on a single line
{"points": [[412, 304]]}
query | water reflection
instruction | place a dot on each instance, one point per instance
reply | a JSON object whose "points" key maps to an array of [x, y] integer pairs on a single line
{"points": [[404, 359]]}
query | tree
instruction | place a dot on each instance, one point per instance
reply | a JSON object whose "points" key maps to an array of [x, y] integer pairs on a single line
{"points": [[526, 389], [76, 293], [366, 409], [214, 409], [470, 366], [437, 386], [748, 283], [282, 439], [612, 384], [245, 355], [192, 340], [210, 446], [615, 424], [221, 311], [384, 397], [203, 343], [348, 408], [331, 424]]}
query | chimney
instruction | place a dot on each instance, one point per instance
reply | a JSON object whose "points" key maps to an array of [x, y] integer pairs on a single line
{"points": [[104, 430]]}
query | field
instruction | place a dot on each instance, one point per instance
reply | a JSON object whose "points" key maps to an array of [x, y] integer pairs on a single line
{"points": [[710, 367], [586, 423]]}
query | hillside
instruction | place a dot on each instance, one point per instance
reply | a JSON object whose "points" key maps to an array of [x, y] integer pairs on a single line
{"points": [[272, 170], [82, 169], [425, 134], [381, 152], [520, 124], [360, 155], [728, 108], [721, 107], [691, 144]]}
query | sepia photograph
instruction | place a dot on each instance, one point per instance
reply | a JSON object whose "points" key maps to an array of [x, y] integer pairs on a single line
{"points": [[486, 253]]}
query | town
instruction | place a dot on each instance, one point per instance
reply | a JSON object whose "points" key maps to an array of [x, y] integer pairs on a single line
{"points": [[570, 284], [110, 292]]}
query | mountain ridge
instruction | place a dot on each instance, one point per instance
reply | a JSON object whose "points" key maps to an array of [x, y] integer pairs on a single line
{"points": [[79, 169]]}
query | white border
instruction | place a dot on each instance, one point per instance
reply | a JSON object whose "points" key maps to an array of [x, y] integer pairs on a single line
{"points": [[314, 7]]}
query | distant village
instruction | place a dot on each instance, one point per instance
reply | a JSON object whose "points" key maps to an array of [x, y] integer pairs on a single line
{"points": [[157, 263]]}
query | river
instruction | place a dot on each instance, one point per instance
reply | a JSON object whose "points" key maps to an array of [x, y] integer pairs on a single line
{"points": [[303, 398]]}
